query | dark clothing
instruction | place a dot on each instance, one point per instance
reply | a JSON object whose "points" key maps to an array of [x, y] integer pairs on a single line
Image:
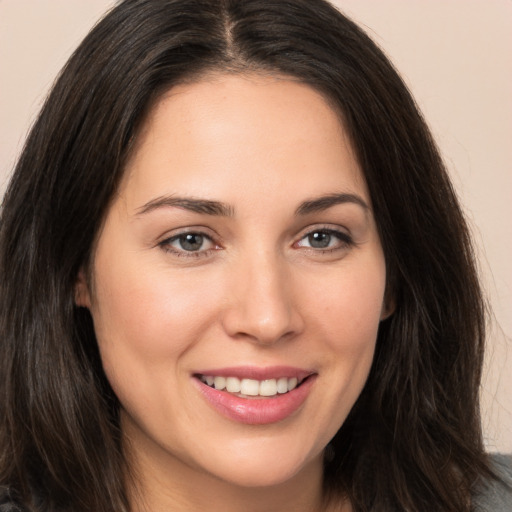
{"points": [[496, 496]]}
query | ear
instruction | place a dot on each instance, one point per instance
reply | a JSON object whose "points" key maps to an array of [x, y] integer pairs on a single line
{"points": [[82, 293], [388, 306]]}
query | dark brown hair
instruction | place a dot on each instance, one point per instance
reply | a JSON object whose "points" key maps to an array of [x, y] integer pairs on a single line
{"points": [[413, 439]]}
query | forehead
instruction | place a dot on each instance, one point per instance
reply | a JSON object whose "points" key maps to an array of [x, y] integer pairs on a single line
{"points": [[224, 130]]}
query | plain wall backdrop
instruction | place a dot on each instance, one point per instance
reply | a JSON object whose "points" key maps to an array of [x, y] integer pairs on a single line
{"points": [[456, 57]]}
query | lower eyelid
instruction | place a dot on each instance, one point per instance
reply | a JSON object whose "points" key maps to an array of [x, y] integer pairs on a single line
{"points": [[187, 254], [181, 253]]}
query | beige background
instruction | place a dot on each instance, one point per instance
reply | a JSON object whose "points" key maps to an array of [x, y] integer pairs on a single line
{"points": [[456, 56]]}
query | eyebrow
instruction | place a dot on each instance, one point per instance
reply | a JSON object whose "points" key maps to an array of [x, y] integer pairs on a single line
{"points": [[327, 201], [217, 208], [192, 204]]}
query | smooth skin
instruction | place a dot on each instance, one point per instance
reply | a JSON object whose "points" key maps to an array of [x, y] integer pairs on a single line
{"points": [[270, 273]]}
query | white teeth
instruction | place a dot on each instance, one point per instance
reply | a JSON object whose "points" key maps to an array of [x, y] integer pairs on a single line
{"points": [[282, 385], [219, 382], [251, 387], [268, 387], [233, 385]]}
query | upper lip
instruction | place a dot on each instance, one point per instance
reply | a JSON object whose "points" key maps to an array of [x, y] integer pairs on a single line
{"points": [[258, 373]]}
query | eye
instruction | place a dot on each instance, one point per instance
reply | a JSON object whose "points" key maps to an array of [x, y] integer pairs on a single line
{"points": [[190, 243], [319, 239], [325, 239]]}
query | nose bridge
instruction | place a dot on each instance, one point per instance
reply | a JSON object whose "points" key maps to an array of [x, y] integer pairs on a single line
{"points": [[263, 307]]}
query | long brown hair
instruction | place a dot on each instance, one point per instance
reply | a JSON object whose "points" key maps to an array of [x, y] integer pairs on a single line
{"points": [[413, 439]]}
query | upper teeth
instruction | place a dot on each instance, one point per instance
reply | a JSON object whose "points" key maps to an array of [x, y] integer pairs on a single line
{"points": [[251, 387]]}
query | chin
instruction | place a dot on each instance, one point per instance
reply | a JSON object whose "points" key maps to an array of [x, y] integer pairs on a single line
{"points": [[265, 469], [257, 476]]}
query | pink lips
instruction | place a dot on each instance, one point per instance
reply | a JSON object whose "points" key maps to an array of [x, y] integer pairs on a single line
{"points": [[259, 410]]}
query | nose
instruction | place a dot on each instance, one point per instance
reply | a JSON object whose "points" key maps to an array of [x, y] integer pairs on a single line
{"points": [[262, 306]]}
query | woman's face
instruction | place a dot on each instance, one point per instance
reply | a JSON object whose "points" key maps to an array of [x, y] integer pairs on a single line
{"points": [[240, 251]]}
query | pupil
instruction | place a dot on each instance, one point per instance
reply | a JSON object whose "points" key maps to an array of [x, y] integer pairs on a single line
{"points": [[191, 242], [319, 240]]}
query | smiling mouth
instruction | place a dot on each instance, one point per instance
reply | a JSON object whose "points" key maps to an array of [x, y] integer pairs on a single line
{"points": [[252, 388]]}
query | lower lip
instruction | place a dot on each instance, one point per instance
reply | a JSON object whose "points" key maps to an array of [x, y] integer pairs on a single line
{"points": [[257, 411]]}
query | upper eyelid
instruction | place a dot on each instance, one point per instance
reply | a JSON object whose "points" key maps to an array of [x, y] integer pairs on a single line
{"points": [[344, 237], [199, 230], [324, 227], [174, 236]]}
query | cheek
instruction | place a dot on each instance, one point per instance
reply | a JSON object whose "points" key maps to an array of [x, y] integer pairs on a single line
{"points": [[344, 319], [351, 307], [149, 317], [348, 321]]}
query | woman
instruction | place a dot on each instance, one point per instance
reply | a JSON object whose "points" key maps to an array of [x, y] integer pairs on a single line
{"points": [[235, 275]]}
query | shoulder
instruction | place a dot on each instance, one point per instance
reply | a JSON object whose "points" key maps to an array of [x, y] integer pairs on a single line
{"points": [[496, 496]]}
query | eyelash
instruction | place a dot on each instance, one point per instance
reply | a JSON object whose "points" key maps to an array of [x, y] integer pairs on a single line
{"points": [[345, 241], [183, 253]]}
